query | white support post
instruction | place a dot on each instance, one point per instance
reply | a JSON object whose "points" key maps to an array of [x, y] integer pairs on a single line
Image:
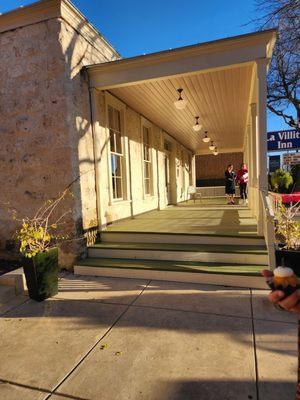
{"points": [[250, 167], [261, 124], [261, 66], [98, 150], [194, 183], [254, 160]]}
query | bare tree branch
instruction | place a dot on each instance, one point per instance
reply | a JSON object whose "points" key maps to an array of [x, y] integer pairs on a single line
{"points": [[284, 73]]}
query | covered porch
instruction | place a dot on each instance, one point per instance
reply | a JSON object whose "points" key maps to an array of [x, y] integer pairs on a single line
{"points": [[145, 148]]}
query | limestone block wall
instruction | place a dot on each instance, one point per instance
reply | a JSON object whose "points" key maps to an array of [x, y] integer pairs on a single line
{"points": [[45, 124], [48, 140], [78, 52], [35, 156]]}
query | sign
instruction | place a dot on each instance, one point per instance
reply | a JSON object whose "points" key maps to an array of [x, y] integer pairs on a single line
{"points": [[291, 159], [283, 140], [274, 163]]}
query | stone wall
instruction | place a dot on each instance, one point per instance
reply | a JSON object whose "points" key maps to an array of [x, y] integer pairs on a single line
{"points": [[34, 153], [79, 52], [45, 130]]}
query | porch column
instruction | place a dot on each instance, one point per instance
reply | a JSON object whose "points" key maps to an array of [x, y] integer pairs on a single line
{"points": [[194, 182], [262, 177], [254, 160], [261, 123], [98, 150], [246, 145], [249, 165]]}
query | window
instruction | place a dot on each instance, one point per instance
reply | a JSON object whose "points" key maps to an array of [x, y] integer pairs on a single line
{"points": [[167, 145], [147, 161], [116, 152]]}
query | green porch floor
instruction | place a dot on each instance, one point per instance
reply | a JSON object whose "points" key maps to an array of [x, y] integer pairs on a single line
{"points": [[190, 218]]}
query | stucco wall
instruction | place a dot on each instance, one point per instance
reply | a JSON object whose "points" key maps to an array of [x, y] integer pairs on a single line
{"points": [[45, 130], [136, 202]]}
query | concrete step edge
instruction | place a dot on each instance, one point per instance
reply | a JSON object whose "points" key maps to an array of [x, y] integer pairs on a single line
{"points": [[6, 293], [15, 278], [254, 282]]}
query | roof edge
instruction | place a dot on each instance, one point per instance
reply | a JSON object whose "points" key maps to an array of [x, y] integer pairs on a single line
{"points": [[267, 36], [44, 10]]}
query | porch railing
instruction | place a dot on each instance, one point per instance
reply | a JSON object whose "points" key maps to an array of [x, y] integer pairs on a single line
{"points": [[268, 207], [275, 199]]}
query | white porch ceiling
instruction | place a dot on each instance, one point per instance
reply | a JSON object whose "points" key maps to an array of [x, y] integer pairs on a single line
{"points": [[219, 97]]}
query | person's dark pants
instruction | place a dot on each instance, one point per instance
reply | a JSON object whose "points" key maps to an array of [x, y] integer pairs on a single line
{"points": [[243, 190]]}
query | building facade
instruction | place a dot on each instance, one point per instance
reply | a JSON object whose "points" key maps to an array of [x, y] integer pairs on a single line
{"points": [[46, 131], [74, 113]]}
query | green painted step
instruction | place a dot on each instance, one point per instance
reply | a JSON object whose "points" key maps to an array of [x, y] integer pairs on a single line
{"points": [[182, 266], [202, 248], [113, 229]]}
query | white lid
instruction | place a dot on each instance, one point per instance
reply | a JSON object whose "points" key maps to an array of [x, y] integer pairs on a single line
{"points": [[283, 272]]}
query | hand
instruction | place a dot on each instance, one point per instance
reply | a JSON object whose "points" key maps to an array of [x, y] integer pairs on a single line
{"points": [[290, 303]]}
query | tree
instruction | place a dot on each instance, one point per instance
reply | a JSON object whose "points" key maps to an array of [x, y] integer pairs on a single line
{"points": [[284, 73]]}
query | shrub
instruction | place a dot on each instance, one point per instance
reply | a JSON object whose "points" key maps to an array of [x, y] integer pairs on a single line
{"points": [[281, 180]]}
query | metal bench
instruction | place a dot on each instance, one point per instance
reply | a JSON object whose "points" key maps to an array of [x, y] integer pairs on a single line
{"points": [[193, 193]]}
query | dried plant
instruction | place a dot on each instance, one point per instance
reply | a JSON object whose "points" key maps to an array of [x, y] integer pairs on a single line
{"points": [[41, 232], [287, 227]]}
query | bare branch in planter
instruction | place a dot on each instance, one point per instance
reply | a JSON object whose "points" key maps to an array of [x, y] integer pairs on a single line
{"points": [[287, 227]]}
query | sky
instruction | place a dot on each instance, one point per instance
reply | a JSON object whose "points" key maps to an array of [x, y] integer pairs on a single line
{"points": [[137, 27]]}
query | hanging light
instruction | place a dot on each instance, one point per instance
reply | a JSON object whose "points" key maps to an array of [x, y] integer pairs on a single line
{"points": [[215, 152], [180, 103], [197, 126], [206, 139], [212, 146]]}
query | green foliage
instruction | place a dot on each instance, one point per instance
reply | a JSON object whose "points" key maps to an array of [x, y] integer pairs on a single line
{"points": [[281, 180], [287, 227], [40, 233], [33, 239]]}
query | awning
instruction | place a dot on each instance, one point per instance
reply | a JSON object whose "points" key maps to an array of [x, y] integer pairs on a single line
{"points": [[217, 79]]}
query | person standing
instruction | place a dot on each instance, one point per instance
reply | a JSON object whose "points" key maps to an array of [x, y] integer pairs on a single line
{"points": [[230, 184], [242, 180]]}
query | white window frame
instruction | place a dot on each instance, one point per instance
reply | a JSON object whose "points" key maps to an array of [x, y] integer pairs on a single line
{"points": [[146, 124], [111, 101]]}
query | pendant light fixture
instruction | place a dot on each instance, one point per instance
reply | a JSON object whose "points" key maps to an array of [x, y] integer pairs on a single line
{"points": [[215, 152], [206, 138], [212, 146], [197, 126], [180, 103]]}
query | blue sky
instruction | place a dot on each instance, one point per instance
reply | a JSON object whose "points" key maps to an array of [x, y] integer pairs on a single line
{"points": [[136, 27]]}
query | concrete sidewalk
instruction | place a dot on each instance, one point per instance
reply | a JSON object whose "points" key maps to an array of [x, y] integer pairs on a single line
{"points": [[125, 339]]}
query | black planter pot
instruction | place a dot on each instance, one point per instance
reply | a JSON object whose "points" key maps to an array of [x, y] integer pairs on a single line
{"points": [[290, 258], [41, 274]]}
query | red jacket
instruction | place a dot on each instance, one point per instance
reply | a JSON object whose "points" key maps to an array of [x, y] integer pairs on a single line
{"points": [[242, 176]]}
